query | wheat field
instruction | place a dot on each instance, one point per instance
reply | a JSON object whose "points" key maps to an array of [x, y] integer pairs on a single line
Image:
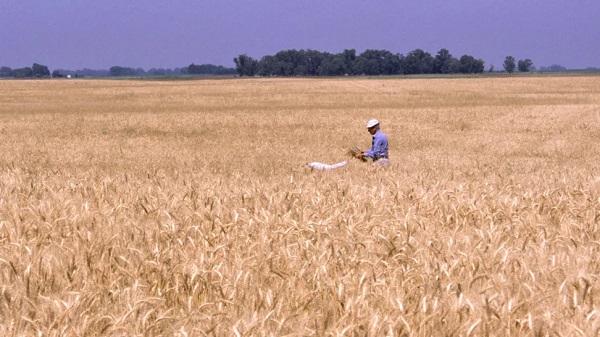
{"points": [[185, 208]]}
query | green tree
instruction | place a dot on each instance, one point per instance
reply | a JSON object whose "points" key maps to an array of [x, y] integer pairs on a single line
{"points": [[366, 65], [470, 65], [6, 72], [122, 71], [245, 65], [156, 72], [40, 70], [349, 60], [442, 62], [418, 62], [23, 72], [479, 66], [266, 66], [453, 66], [377, 62], [334, 65], [203, 69], [554, 67], [509, 64], [291, 62], [369, 62], [313, 61], [525, 65], [389, 64]]}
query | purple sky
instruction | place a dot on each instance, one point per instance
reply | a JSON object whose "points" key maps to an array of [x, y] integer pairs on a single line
{"points": [[76, 34]]}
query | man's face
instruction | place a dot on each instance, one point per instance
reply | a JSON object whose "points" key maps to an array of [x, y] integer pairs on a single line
{"points": [[372, 129]]}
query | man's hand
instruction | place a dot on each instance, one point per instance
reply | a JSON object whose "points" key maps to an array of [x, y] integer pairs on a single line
{"points": [[357, 153]]}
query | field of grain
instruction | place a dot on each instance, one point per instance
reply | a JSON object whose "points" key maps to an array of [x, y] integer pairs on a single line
{"points": [[184, 208]]}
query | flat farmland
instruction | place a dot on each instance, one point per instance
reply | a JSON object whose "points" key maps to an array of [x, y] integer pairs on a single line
{"points": [[185, 208]]}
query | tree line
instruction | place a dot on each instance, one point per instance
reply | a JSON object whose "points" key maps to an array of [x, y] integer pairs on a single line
{"points": [[192, 69], [41, 71], [370, 62], [37, 70], [304, 63]]}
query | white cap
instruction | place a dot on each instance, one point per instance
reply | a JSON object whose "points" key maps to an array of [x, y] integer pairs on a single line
{"points": [[372, 123]]}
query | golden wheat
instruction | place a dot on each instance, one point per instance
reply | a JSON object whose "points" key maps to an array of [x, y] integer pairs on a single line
{"points": [[184, 208]]}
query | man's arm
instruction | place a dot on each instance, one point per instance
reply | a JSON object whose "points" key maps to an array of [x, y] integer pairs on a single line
{"points": [[379, 145]]}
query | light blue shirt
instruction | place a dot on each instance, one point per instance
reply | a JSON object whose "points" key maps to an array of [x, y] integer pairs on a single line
{"points": [[379, 148]]}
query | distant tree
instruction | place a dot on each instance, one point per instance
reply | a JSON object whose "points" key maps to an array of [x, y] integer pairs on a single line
{"points": [[23, 72], [453, 66], [418, 62], [334, 65], [156, 72], [56, 74], [366, 65], [92, 73], [122, 71], [209, 69], [556, 67], [390, 64], [282, 67], [6, 72], [373, 62], [377, 62], [116, 71], [350, 61], [40, 70], [491, 68], [401, 59], [266, 66], [245, 65], [84, 72], [509, 64], [469, 65], [195, 69], [525, 65], [290, 63], [479, 66], [314, 61], [309, 62], [442, 61], [466, 64]]}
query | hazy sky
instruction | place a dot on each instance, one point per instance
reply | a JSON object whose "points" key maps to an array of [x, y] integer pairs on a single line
{"points": [[76, 34]]}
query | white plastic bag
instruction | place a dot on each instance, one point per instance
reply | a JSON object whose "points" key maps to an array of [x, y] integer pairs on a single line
{"points": [[320, 166]]}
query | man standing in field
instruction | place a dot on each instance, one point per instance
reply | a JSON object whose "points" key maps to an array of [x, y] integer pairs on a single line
{"points": [[379, 147]]}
